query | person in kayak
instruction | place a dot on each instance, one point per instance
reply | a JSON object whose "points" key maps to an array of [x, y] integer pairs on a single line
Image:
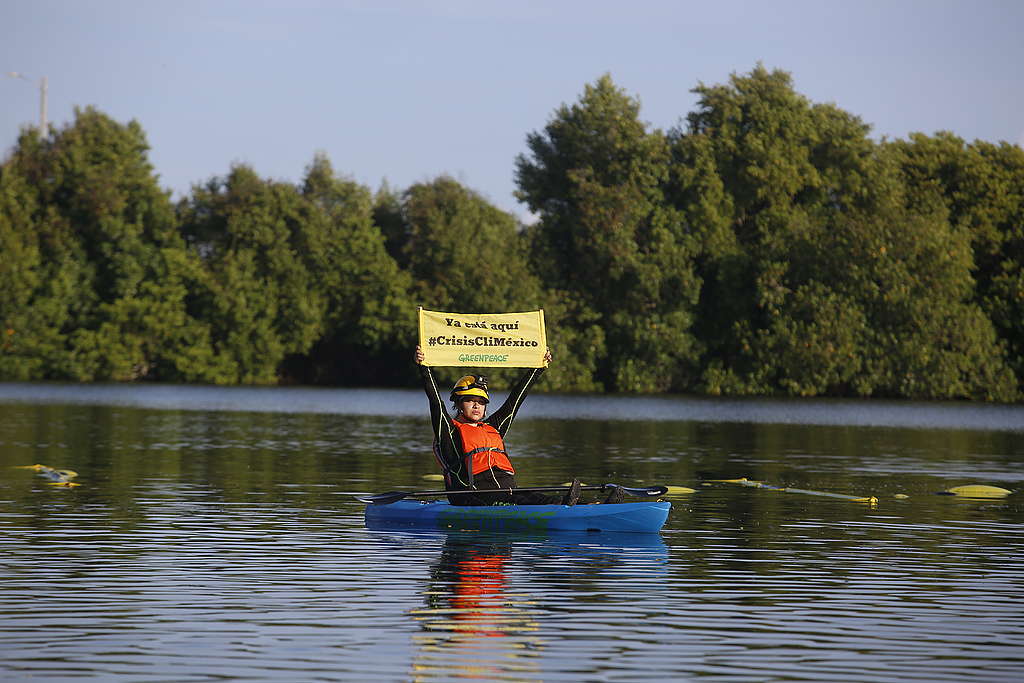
{"points": [[470, 447]]}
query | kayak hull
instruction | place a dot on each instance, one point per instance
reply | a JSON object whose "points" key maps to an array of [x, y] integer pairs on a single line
{"points": [[646, 517]]}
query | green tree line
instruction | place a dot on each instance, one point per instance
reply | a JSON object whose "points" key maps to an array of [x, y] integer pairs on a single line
{"points": [[766, 245]]}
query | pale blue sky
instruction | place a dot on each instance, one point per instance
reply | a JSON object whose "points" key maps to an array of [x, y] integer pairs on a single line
{"points": [[406, 91]]}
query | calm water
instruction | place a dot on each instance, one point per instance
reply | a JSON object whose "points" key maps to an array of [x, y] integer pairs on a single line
{"points": [[214, 536]]}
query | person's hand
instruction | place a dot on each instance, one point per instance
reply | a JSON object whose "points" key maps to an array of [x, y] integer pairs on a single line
{"points": [[418, 356], [547, 358]]}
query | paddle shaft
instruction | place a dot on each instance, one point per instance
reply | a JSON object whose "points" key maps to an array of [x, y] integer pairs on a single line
{"points": [[394, 496], [785, 489]]}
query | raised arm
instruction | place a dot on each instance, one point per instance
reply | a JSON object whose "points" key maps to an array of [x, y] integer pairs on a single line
{"points": [[446, 449], [502, 418], [439, 418]]}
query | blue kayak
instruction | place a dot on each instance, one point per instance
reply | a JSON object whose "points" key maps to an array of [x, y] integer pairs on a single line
{"points": [[646, 517]]}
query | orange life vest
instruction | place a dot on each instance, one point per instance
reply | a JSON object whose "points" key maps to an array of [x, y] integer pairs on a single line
{"points": [[482, 447]]}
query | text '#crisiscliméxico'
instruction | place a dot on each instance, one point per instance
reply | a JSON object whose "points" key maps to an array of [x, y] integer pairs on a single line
{"points": [[480, 341]]}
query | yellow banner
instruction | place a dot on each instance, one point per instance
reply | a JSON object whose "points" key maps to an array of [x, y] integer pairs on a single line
{"points": [[496, 340]]}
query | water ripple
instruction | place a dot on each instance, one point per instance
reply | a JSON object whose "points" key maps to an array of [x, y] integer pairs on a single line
{"points": [[218, 546]]}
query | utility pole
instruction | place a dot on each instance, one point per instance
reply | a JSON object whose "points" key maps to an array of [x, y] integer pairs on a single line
{"points": [[43, 126]]}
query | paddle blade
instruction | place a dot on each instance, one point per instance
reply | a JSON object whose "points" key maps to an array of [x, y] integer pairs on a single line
{"points": [[383, 498], [645, 491], [680, 491]]}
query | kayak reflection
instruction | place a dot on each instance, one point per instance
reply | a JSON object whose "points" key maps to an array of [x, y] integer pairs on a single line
{"points": [[489, 595], [472, 625]]}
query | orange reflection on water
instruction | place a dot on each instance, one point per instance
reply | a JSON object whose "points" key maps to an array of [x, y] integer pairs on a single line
{"points": [[473, 627]]}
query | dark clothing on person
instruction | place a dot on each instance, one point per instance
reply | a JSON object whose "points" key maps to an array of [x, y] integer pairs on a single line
{"points": [[451, 455], [504, 486]]}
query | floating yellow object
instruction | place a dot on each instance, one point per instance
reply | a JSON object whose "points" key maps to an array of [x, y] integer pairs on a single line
{"points": [[978, 491], [901, 496], [679, 490], [433, 477], [57, 476], [64, 484]]}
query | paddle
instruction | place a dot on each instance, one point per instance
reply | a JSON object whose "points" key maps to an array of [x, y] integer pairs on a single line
{"points": [[768, 487], [394, 496]]}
